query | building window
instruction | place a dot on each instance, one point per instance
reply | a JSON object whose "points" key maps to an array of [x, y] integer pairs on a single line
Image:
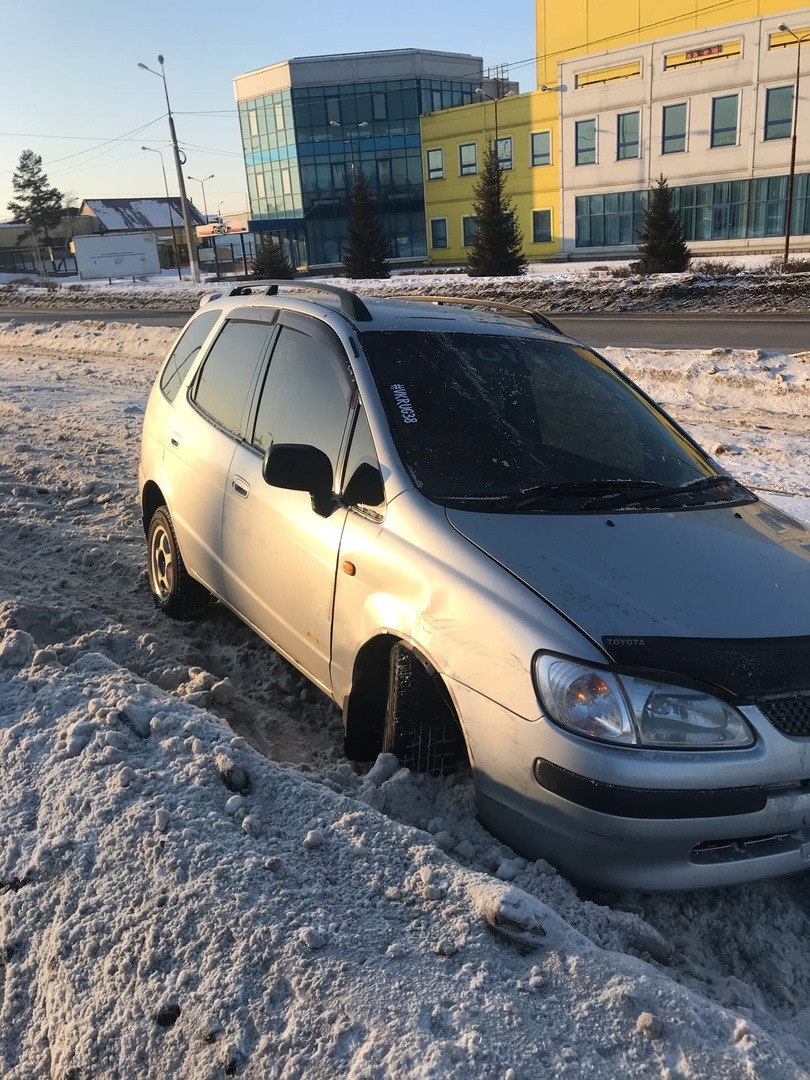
{"points": [[261, 190], [585, 142], [469, 228], [724, 120], [628, 130], [467, 159], [541, 148], [504, 150], [435, 164], [541, 226], [278, 109], [379, 108], [438, 232], [673, 140], [779, 112], [253, 123], [286, 182]]}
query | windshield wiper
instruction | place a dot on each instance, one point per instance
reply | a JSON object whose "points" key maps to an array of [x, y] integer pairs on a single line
{"points": [[730, 488], [582, 489]]}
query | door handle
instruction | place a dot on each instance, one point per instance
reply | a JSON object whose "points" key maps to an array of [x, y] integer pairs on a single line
{"points": [[240, 486]]}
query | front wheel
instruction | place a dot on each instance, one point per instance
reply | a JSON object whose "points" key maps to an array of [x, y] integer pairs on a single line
{"points": [[420, 724], [175, 592]]}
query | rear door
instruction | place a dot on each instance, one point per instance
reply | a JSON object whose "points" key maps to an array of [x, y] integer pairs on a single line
{"points": [[206, 428], [280, 557]]}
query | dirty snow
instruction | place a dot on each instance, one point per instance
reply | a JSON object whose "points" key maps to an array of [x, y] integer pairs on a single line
{"points": [[195, 884]]}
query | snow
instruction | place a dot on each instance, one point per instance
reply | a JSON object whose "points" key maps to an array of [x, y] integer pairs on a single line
{"points": [[195, 884]]}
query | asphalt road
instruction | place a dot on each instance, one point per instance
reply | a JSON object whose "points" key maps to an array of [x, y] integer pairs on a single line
{"points": [[779, 333]]}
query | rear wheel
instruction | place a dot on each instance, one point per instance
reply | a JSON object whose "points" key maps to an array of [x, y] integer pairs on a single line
{"points": [[420, 724], [176, 593]]}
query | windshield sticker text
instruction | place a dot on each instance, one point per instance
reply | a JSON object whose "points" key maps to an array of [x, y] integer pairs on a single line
{"points": [[404, 403]]}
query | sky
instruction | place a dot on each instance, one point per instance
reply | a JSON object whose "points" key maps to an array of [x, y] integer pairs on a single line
{"points": [[72, 92]]}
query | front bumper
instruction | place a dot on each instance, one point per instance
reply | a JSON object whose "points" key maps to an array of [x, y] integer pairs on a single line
{"points": [[619, 819]]}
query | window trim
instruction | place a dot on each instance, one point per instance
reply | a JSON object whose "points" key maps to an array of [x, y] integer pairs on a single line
{"points": [[534, 164], [621, 145], [714, 131], [465, 169], [675, 105], [577, 123], [429, 170], [775, 138], [465, 218], [446, 244], [502, 160], [543, 210]]}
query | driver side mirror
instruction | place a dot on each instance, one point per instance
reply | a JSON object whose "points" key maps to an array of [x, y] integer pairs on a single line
{"points": [[298, 467]]}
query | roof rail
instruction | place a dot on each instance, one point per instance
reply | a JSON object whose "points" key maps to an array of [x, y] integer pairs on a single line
{"points": [[350, 302], [498, 306]]}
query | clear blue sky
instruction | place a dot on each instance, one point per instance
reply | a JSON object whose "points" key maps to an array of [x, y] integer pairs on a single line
{"points": [[69, 78]]}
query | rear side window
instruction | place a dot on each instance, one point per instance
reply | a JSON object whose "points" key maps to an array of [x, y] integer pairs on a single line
{"points": [[228, 371], [182, 357]]}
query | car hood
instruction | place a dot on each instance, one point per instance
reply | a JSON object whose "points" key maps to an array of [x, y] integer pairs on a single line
{"points": [[725, 573]]}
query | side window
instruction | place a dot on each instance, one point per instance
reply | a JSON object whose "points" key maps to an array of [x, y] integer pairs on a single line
{"points": [[183, 354], [435, 164], [361, 459], [305, 397], [227, 375]]}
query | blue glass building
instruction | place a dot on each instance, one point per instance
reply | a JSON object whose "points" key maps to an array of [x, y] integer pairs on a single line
{"points": [[308, 123]]}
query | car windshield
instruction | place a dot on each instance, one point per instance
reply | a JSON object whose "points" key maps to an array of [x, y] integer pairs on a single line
{"points": [[521, 423]]}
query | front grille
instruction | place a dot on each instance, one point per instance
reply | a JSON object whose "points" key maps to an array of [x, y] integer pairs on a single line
{"points": [[789, 713], [714, 852]]}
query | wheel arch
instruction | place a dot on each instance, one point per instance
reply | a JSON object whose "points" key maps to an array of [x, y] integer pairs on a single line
{"points": [[364, 707], [151, 498]]}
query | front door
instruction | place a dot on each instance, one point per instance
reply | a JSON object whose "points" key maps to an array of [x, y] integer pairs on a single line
{"points": [[279, 555]]}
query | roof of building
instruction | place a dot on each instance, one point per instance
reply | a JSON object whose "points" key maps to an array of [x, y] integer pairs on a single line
{"points": [[124, 215]]}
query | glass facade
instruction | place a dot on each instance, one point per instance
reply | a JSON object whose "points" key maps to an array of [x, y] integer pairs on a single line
{"points": [[728, 210], [301, 146]]}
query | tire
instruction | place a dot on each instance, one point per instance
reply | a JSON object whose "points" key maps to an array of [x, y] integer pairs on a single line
{"points": [[175, 592], [420, 724]]}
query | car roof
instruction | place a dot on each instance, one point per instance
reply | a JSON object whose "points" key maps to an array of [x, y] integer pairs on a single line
{"points": [[446, 313]]}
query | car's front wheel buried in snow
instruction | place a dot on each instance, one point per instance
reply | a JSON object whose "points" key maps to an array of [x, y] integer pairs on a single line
{"points": [[420, 724], [176, 593]]}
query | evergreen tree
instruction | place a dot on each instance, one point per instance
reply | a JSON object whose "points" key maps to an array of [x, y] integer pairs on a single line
{"points": [[37, 204], [497, 249], [272, 263], [365, 251], [661, 246]]}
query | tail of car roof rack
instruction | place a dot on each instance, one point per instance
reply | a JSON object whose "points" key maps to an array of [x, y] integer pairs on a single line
{"points": [[350, 303], [498, 306]]}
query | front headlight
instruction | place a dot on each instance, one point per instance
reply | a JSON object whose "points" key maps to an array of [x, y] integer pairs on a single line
{"points": [[634, 711]]}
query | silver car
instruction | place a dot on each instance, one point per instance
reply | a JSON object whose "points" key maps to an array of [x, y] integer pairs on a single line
{"points": [[490, 547]]}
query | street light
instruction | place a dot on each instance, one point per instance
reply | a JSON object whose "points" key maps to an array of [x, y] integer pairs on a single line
{"points": [[789, 208], [152, 150], [192, 254], [495, 101], [351, 133], [202, 184]]}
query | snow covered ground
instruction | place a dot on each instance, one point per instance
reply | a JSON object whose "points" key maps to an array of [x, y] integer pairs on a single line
{"points": [[195, 884]]}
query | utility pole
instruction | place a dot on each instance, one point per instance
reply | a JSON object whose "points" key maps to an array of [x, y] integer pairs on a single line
{"points": [[190, 241], [791, 175]]}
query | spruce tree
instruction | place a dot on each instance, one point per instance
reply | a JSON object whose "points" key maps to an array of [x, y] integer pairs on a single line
{"points": [[661, 245], [272, 263], [497, 249], [36, 203], [365, 250]]}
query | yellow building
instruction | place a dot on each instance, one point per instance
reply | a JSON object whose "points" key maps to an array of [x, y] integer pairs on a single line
{"points": [[700, 92]]}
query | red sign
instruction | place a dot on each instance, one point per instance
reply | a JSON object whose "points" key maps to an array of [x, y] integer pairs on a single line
{"points": [[698, 54]]}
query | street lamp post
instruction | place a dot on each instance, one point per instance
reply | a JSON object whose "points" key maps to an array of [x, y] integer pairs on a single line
{"points": [[202, 184], [791, 175], [494, 101], [152, 150], [192, 254], [351, 134]]}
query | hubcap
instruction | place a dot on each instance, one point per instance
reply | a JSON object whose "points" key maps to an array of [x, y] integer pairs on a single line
{"points": [[162, 563]]}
